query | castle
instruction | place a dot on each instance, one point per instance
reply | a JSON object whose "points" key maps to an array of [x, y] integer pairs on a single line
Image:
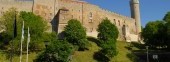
{"points": [[59, 12]]}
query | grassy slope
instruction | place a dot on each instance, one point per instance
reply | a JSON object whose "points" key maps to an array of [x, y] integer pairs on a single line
{"points": [[81, 56], [122, 55], [87, 56]]}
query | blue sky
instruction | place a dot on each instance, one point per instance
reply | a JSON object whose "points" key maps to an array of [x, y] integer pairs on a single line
{"points": [[151, 10]]}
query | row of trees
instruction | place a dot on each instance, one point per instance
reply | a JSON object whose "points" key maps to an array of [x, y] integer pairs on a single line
{"points": [[58, 50], [75, 39], [156, 33]]}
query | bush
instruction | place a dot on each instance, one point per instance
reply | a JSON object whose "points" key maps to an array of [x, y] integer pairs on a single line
{"points": [[57, 51]]}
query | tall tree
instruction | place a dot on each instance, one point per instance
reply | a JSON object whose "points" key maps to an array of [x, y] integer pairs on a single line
{"points": [[75, 34], [108, 34]]}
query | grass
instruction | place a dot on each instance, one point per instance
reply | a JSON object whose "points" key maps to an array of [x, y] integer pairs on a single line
{"points": [[122, 53], [87, 56], [3, 57]]}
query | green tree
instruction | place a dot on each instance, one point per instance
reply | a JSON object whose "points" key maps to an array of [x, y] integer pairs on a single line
{"points": [[7, 20], [167, 17], [108, 34], [37, 28], [154, 34], [57, 51], [167, 25], [107, 30], [75, 34], [36, 24]]}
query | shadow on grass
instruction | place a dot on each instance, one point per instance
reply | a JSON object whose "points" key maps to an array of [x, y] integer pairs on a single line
{"points": [[138, 45], [100, 57], [128, 47], [94, 40], [132, 57]]}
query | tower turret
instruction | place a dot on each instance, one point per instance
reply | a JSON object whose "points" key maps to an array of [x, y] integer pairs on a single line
{"points": [[135, 13]]}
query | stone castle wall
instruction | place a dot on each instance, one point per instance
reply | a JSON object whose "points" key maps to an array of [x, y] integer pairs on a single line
{"points": [[58, 12]]}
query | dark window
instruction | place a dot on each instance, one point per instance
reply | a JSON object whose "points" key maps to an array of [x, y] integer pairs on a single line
{"points": [[114, 21]]}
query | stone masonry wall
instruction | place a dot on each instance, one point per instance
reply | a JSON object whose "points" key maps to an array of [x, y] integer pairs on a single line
{"points": [[89, 15]]}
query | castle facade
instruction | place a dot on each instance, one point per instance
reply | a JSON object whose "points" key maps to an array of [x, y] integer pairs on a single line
{"points": [[59, 12]]}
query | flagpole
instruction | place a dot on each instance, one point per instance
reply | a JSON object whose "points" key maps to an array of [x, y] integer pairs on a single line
{"points": [[22, 39], [28, 40]]}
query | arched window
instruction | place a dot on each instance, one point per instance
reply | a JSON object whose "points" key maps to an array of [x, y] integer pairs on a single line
{"points": [[119, 22], [114, 21]]}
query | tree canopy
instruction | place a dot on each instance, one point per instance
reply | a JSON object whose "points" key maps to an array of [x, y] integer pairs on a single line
{"points": [[57, 51], [108, 34], [156, 33], [75, 34], [107, 30], [167, 17], [36, 24]]}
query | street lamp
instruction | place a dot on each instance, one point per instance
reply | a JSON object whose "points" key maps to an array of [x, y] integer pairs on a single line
{"points": [[46, 43], [147, 53]]}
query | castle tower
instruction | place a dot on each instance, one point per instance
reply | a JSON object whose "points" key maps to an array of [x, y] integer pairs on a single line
{"points": [[135, 13]]}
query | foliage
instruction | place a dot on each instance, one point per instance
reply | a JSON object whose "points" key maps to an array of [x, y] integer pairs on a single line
{"points": [[7, 20], [167, 17], [108, 34], [57, 51], [107, 30], [36, 24], [154, 34], [109, 48], [75, 34]]}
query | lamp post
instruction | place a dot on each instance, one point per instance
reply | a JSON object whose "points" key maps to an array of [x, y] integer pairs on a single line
{"points": [[147, 53], [46, 43]]}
